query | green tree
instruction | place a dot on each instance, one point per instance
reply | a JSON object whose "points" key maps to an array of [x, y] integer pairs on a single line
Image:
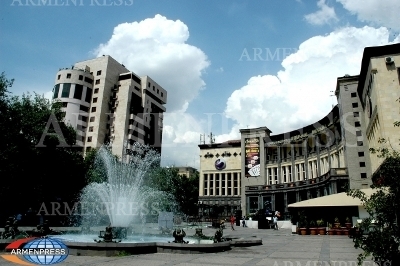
{"points": [[383, 237], [48, 172]]}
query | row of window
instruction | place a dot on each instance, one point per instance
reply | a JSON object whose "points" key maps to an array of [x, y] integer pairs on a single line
{"points": [[80, 77], [358, 134], [66, 89], [154, 89]]}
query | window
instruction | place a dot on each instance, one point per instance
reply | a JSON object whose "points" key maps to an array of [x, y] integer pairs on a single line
{"points": [[354, 94], [84, 108], [88, 80], [96, 90], [83, 118], [56, 89], [90, 129], [93, 109], [66, 89], [362, 164], [359, 143], [78, 91], [153, 88], [97, 81], [80, 77], [355, 105], [64, 104], [99, 73], [363, 175], [91, 119], [59, 76], [360, 154], [356, 114], [89, 139], [162, 94], [358, 133], [148, 84], [158, 91], [357, 124], [95, 100], [68, 75], [88, 95]]}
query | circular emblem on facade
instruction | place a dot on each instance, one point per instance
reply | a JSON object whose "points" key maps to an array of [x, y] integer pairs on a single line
{"points": [[220, 164]]}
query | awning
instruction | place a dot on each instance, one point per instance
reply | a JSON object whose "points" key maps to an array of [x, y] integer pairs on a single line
{"points": [[339, 199]]}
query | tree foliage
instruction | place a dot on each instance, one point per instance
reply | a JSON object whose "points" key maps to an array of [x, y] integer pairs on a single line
{"points": [[35, 173], [383, 237]]}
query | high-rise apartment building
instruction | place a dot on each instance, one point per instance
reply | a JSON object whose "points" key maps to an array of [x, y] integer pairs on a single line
{"points": [[105, 102]]}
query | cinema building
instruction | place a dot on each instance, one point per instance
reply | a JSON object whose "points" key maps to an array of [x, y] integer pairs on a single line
{"points": [[322, 158]]}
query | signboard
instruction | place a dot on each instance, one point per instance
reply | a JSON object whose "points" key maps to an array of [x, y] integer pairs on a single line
{"points": [[252, 157]]}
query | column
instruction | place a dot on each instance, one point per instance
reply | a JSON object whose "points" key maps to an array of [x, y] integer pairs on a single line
{"points": [[318, 192], [297, 196], [308, 194], [279, 170], [208, 185], [333, 187], [318, 165], [329, 158], [325, 192], [285, 202], [305, 149], [214, 181], [239, 183], [273, 201], [293, 166]]}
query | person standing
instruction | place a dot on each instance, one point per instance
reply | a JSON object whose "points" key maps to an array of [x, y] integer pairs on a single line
{"points": [[275, 222], [232, 221]]}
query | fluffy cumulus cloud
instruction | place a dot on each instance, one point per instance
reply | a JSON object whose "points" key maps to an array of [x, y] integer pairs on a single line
{"points": [[300, 94], [157, 47], [324, 15], [380, 13]]}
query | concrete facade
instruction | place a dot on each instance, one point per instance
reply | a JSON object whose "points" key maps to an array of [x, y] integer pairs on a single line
{"points": [[326, 157], [106, 103]]}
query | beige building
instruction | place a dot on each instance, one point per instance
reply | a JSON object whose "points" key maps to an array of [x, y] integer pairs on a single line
{"points": [[220, 177], [323, 158], [105, 102], [186, 171]]}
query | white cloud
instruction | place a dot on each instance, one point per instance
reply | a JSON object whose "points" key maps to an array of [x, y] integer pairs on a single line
{"points": [[324, 15], [380, 13], [300, 94], [157, 47]]}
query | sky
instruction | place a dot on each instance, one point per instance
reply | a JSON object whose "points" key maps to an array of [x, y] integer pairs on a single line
{"points": [[227, 65]]}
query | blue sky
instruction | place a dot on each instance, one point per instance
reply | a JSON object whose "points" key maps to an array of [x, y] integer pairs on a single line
{"points": [[226, 64]]}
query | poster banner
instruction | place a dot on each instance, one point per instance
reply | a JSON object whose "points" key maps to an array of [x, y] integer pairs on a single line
{"points": [[252, 157]]}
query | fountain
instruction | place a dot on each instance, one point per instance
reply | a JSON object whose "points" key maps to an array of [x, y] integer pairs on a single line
{"points": [[119, 199]]}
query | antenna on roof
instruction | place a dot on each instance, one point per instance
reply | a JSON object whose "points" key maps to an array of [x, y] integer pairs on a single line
{"points": [[212, 138]]}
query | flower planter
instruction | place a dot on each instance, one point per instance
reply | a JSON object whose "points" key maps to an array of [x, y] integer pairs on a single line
{"points": [[338, 231], [303, 231], [345, 231], [313, 231], [331, 232], [322, 231], [348, 225]]}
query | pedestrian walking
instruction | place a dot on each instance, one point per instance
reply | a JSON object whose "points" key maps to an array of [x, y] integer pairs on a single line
{"points": [[232, 222]]}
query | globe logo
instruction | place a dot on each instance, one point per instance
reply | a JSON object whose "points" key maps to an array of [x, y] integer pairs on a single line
{"points": [[220, 164], [58, 251], [37, 251]]}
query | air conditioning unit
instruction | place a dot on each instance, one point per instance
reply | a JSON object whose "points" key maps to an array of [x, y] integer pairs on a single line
{"points": [[389, 60]]}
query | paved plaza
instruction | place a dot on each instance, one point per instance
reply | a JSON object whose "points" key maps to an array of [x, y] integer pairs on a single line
{"points": [[279, 248]]}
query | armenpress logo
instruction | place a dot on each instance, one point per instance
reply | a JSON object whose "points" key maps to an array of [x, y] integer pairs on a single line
{"points": [[36, 251]]}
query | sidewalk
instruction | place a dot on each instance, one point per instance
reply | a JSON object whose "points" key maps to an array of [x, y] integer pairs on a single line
{"points": [[280, 248]]}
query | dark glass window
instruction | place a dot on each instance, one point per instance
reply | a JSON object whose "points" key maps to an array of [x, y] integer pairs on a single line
{"points": [[88, 80], [356, 114], [359, 143], [68, 75], [56, 89], [354, 94], [358, 133], [355, 105], [80, 77], [363, 175], [88, 95], [84, 108], [99, 73], [360, 154], [78, 91], [362, 164], [357, 124], [66, 89], [96, 90], [59, 76], [97, 81]]}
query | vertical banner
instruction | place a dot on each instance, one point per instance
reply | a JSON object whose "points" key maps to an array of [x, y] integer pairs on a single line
{"points": [[252, 157]]}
